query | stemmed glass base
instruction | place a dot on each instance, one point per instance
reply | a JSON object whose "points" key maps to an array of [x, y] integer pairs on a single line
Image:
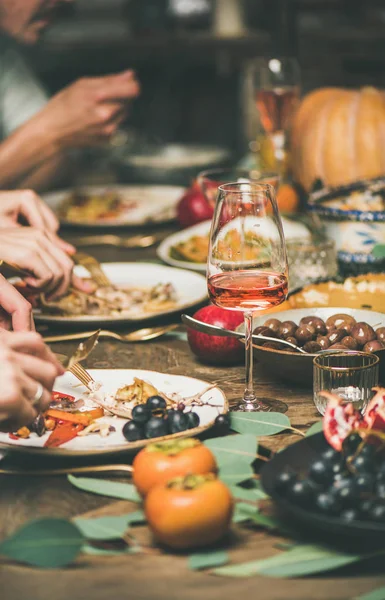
{"points": [[260, 405]]}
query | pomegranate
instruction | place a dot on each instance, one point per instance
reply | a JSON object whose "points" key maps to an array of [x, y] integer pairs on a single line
{"points": [[193, 207], [214, 349], [375, 413], [339, 420]]}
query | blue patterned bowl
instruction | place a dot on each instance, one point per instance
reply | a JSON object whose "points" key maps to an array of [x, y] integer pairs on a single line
{"points": [[354, 217]]}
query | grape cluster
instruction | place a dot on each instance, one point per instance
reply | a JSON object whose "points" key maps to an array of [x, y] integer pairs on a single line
{"points": [[153, 419], [348, 484]]}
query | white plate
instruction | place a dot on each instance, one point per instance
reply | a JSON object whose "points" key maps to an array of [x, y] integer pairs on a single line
{"points": [[153, 204], [190, 287], [112, 379], [292, 229]]}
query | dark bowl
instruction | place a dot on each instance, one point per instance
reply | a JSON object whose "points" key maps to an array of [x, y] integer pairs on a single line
{"points": [[299, 456], [297, 368]]}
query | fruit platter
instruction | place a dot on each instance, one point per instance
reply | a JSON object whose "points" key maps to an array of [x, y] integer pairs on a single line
{"points": [[334, 481]]}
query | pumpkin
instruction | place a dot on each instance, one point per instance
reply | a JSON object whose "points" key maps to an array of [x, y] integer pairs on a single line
{"points": [[338, 136]]}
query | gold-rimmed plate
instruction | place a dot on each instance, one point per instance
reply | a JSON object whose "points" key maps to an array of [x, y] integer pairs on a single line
{"points": [[190, 288], [214, 400]]}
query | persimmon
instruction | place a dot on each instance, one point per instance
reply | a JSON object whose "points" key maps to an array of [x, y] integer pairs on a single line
{"points": [[287, 198], [159, 462], [189, 512]]}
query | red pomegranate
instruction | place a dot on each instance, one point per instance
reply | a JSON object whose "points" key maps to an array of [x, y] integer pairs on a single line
{"points": [[193, 207], [375, 413], [214, 349]]}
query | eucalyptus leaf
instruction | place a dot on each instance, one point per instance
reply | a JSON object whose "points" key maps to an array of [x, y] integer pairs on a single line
{"points": [[207, 559], [136, 518], [105, 487], [103, 528], [244, 512], [234, 455], [93, 551], [378, 594], [243, 494], [259, 423], [315, 428], [379, 251], [299, 561], [48, 543]]}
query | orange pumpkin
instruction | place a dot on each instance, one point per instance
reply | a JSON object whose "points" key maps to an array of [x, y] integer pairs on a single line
{"points": [[338, 136]]}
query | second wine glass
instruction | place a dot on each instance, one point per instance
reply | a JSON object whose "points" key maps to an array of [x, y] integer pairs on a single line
{"points": [[247, 264]]}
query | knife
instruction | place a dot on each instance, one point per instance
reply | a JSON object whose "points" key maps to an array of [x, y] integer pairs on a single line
{"points": [[222, 332]]}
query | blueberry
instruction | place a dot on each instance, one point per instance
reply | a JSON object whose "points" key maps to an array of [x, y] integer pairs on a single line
{"points": [[363, 464], [222, 423], [301, 492], [179, 422], [156, 427], [285, 479], [351, 443], [321, 472], [193, 420], [349, 515], [364, 483], [132, 431], [141, 414], [377, 512], [155, 402], [328, 503]]}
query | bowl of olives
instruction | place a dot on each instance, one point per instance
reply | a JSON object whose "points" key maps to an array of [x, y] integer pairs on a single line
{"points": [[315, 330]]}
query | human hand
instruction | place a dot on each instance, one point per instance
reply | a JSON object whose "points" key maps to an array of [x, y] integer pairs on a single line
{"points": [[90, 110], [15, 310], [28, 370]]}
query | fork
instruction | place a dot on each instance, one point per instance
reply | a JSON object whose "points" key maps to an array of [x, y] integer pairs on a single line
{"points": [[94, 267], [140, 335], [137, 241], [82, 375]]}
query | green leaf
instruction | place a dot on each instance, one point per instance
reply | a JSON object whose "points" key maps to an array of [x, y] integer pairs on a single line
{"points": [[103, 528], [207, 560], [49, 543], [297, 562], [136, 518], [93, 551], [244, 512], [378, 594], [243, 494], [234, 455], [379, 251], [315, 428], [105, 487], [259, 423], [267, 522]]}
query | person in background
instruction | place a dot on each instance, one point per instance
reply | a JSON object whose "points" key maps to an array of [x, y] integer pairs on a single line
{"points": [[39, 134]]}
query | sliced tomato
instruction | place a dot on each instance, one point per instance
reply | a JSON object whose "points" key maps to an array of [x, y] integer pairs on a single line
{"points": [[59, 396], [339, 420]]}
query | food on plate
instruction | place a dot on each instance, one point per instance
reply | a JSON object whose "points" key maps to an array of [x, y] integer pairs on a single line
{"points": [[157, 463], [214, 349], [195, 249], [189, 512], [367, 200], [146, 412], [81, 206], [193, 207], [332, 139], [348, 479], [339, 331], [109, 301], [364, 291]]}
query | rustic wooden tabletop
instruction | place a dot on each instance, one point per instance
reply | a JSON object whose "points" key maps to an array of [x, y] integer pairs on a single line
{"points": [[157, 575]]}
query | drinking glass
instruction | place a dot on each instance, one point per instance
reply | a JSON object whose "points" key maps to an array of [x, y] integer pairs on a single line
{"points": [[348, 374], [211, 179], [247, 264]]}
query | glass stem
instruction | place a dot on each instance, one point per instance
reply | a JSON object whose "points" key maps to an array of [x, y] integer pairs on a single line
{"points": [[249, 391]]}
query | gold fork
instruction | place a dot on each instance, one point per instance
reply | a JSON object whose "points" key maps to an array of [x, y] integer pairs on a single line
{"points": [[140, 335], [94, 267], [82, 375]]}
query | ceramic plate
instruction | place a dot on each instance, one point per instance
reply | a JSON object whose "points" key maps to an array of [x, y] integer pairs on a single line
{"points": [[112, 379], [292, 229], [299, 456], [145, 204], [190, 287]]}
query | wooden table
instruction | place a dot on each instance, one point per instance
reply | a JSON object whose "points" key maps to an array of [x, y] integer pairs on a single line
{"points": [[158, 576]]}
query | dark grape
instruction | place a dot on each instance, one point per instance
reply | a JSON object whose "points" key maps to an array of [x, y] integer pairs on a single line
{"points": [[363, 464], [141, 414], [349, 515], [178, 422], [331, 455], [328, 503], [193, 420], [351, 443], [155, 402], [132, 431], [301, 492], [284, 480], [156, 427], [346, 492], [380, 490], [365, 483], [222, 424], [377, 512], [321, 472]]}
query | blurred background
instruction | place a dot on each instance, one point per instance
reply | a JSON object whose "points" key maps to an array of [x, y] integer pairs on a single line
{"points": [[190, 55]]}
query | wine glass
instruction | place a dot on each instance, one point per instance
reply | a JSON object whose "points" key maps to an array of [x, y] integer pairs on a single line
{"points": [[247, 264], [210, 179]]}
